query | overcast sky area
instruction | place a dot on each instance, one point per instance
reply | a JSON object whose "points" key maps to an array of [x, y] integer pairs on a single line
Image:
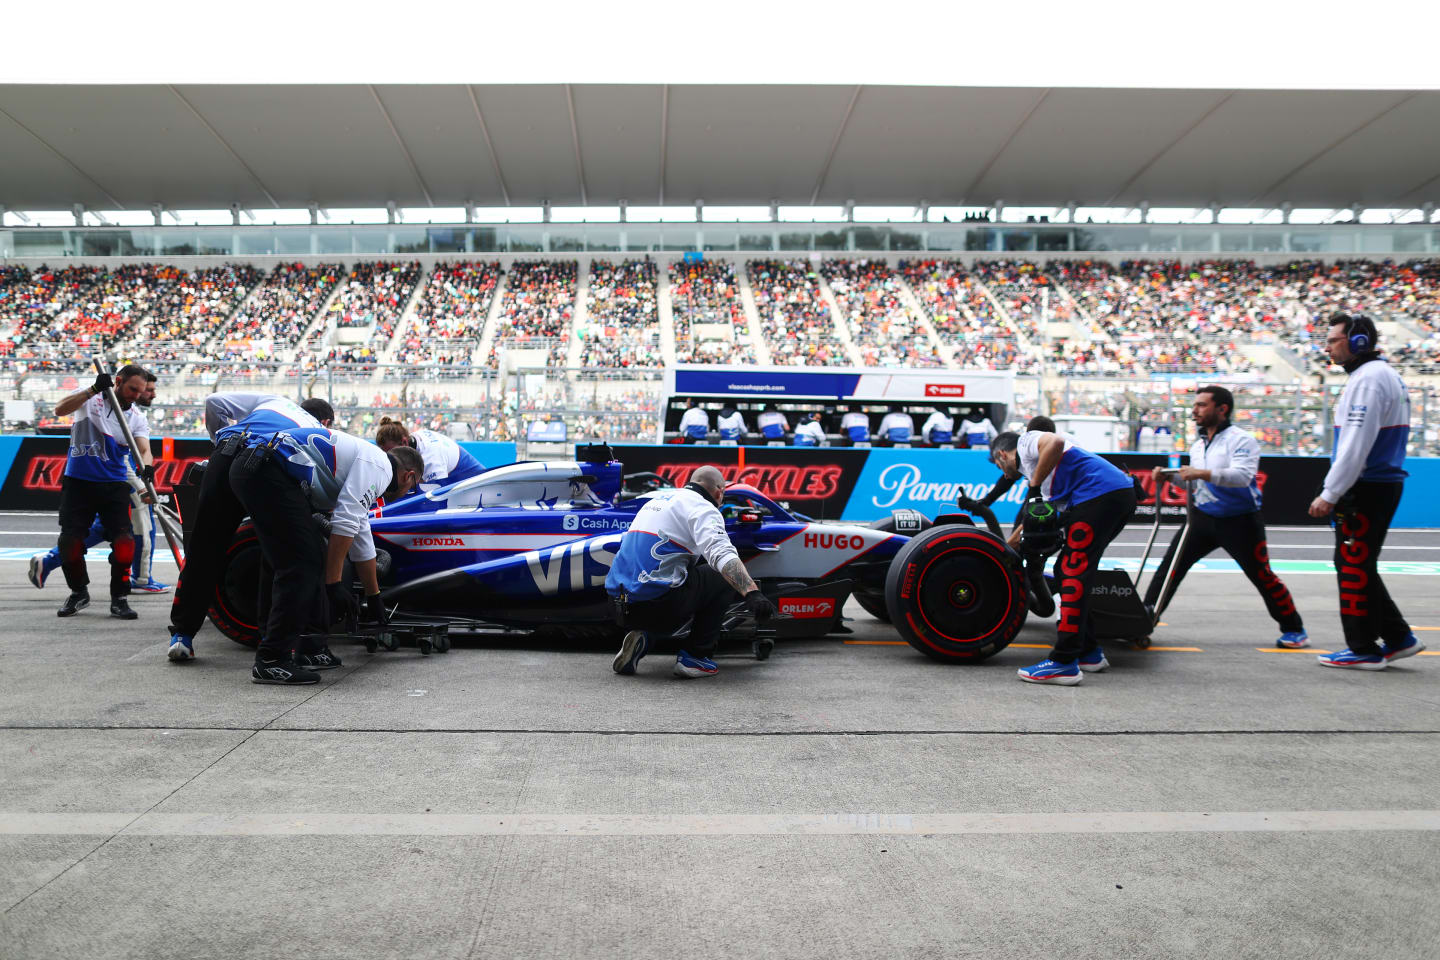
{"points": [[1257, 44]]}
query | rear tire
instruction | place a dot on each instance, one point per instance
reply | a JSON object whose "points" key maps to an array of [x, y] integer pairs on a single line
{"points": [[237, 589], [957, 594]]}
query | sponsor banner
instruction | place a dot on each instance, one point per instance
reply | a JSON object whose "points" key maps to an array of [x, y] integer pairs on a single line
{"points": [[33, 465], [751, 382], [817, 481]]}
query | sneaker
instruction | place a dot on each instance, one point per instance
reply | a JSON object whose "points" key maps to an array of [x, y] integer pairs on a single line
{"points": [[1293, 640], [632, 648], [282, 672], [1094, 661], [149, 586], [1052, 671], [1400, 651], [77, 601], [692, 667], [1351, 660], [38, 573], [321, 659], [120, 609], [182, 648]]}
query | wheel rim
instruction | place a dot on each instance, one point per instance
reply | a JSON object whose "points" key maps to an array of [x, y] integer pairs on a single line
{"points": [[964, 595]]}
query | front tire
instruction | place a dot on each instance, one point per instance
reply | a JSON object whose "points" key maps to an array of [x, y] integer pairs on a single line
{"points": [[956, 594]]}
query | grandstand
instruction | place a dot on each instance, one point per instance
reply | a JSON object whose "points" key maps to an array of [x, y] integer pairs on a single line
{"points": [[489, 321]]}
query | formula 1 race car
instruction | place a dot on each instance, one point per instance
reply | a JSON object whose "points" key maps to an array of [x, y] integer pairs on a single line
{"points": [[526, 547]]}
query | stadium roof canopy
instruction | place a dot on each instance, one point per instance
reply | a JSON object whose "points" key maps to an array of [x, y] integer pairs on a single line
{"points": [[361, 145]]}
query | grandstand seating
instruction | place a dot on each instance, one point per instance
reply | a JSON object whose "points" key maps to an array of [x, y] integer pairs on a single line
{"points": [[964, 316], [622, 316], [705, 296], [274, 318], [538, 308], [798, 326], [449, 315], [868, 294]]}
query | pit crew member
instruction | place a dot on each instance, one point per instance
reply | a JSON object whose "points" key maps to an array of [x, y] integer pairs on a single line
{"points": [[897, 427], [445, 460], [979, 432], [810, 433], [772, 423], [731, 425], [657, 582], [855, 425], [694, 422], [1223, 463], [94, 482], [1362, 490], [939, 427], [1098, 499]]}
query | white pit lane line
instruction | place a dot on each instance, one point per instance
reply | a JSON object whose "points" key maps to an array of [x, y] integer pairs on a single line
{"points": [[691, 825]]}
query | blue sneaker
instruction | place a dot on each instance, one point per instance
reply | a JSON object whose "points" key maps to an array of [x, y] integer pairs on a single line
{"points": [[632, 649], [1093, 662], [38, 570], [1293, 640], [1351, 660], [150, 586], [1400, 651], [1052, 671], [692, 667], [182, 648]]}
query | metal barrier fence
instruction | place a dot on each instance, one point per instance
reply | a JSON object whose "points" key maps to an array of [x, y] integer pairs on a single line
{"points": [[623, 403]]}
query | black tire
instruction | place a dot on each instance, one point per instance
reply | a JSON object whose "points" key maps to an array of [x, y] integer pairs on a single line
{"points": [[874, 603], [237, 589], [957, 594]]}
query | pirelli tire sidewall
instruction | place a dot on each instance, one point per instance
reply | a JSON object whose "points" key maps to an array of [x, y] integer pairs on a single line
{"points": [[232, 606], [956, 593]]}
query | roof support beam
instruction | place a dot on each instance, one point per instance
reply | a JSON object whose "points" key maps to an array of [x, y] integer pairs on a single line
{"points": [[575, 138], [490, 144], [1110, 202], [985, 170], [835, 145], [1255, 201], [254, 177], [64, 159], [401, 141], [664, 137]]}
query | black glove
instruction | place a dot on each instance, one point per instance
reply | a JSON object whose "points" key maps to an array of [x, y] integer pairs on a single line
{"points": [[147, 473], [342, 604], [759, 606], [1039, 526], [102, 383], [374, 611]]}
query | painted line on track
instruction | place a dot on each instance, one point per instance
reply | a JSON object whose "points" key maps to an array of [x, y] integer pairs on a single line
{"points": [[702, 825]]}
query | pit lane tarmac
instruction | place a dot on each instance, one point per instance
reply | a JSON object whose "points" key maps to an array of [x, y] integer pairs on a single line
{"points": [[847, 798]]}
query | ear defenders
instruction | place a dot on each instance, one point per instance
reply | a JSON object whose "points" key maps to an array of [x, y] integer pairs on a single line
{"points": [[1359, 335]]}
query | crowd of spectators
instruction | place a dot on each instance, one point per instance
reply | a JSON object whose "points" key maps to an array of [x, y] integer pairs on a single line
{"points": [[705, 294], [450, 314], [374, 296], [538, 308], [622, 316], [797, 324], [963, 315], [867, 293], [1024, 291], [273, 320]]}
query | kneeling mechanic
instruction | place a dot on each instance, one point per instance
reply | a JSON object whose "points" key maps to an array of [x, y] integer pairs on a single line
{"points": [[657, 582], [1098, 499]]}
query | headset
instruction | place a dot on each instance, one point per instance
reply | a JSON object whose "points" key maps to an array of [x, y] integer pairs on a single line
{"points": [[1359, 330]]}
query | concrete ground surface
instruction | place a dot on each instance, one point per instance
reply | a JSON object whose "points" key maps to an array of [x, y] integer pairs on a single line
{"points": [[1209, 797]]}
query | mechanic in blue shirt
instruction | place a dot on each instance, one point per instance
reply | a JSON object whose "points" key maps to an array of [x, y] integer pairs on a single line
{"points": [[1362, 489], [657, 582], [1223, 464], [94, 483], [446, 461], [1098, 499]]}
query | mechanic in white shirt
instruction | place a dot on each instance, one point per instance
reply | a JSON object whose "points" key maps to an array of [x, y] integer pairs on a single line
{"points": [[897, 427], [978, 432], [1363, 488], [939, 427], [855, 425], [657, 583], [772, 423], [810, 433], [277, 464], [694, 423], [1223, 466], [731, 425]]}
